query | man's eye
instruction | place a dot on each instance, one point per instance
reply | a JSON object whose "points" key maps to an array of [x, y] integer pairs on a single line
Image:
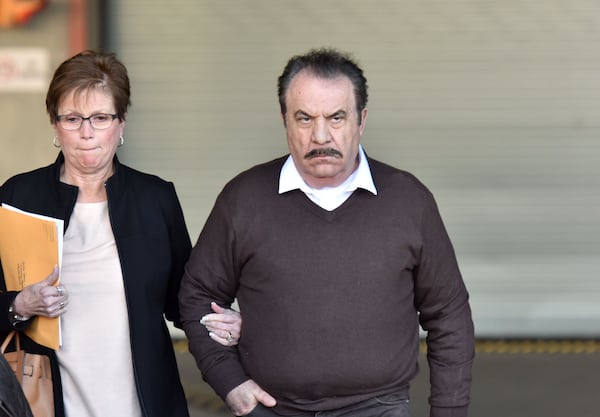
{"points": [[337, 118]]}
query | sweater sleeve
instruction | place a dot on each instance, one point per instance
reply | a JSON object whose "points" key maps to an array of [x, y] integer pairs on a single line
{"points": [[210, 275], [442, 301]]}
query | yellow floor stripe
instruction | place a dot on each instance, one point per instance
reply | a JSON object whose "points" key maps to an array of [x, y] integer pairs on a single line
{"points": [[538, 346], [522, 346], [180, 345]]}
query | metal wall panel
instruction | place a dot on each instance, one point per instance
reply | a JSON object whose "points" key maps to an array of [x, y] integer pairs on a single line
{"points": [[494, 105]]}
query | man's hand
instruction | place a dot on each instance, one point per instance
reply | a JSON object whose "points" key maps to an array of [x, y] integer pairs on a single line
{"points": [[243, 398]]}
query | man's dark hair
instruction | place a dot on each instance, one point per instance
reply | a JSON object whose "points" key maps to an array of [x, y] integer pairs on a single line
{"points": [[325, 63]]}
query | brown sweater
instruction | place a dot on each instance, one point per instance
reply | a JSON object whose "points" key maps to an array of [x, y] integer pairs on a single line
{"points": [[331, 301]]}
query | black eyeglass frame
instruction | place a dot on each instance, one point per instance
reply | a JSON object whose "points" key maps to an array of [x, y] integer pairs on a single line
{"points": [[60, 118]]}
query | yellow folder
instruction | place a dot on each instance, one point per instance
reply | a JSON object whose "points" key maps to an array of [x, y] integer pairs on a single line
{"points": [[30, 247]]}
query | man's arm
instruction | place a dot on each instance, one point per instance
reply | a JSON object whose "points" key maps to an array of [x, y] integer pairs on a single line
{"points": [[210, 276], [444, 312]]}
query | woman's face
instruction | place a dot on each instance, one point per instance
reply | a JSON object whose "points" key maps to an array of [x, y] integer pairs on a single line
{"points": [[88, 151]]}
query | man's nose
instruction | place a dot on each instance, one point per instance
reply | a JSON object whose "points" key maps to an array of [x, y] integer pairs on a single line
{"points": [[321, 132]]}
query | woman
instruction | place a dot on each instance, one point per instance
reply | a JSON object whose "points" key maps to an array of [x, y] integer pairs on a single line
{"points": [[125, 245]]}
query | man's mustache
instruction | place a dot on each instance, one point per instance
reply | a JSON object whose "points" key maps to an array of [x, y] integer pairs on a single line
{"points": [[323, 152]]}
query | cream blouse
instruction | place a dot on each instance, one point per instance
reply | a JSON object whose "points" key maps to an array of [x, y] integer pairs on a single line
{"points": [[95, 357]]}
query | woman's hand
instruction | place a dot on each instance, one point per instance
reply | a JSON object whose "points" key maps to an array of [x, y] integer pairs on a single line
{"points": [[224, 326], [43, 298]]}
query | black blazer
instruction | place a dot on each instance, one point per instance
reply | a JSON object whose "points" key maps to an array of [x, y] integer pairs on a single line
{"points": [[153, 245]]}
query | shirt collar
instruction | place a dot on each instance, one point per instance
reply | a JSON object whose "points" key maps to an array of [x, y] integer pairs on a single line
{"points": [[290, 179]]}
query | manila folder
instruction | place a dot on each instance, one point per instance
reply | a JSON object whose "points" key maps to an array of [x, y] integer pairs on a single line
{"points": [[29, 250]]}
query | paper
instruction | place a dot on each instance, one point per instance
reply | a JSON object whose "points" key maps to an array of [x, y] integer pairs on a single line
{"points": [[30, 247]]}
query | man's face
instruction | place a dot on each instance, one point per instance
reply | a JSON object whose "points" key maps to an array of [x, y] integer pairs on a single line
{"points": [[323, 130]]}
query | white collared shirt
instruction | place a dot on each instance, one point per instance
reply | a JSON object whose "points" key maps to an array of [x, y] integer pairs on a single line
{"points": [[329, 198]]}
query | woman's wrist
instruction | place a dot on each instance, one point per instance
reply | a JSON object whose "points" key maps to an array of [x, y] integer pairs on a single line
{"points": [[14, 316]]}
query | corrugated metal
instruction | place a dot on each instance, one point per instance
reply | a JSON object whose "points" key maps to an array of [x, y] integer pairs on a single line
{"points": [[494, 105]]}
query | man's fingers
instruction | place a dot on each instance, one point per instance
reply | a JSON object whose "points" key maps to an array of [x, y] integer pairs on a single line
{"points": [[265, 399]]}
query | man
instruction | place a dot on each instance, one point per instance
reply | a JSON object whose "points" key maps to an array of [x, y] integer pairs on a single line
{"points": [[335, 259]]}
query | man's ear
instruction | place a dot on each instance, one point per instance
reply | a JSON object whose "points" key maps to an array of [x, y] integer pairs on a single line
{"points": [[363, 120]]}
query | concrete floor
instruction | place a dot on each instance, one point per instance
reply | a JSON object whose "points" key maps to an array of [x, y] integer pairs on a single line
{"points": [[507, 382]]}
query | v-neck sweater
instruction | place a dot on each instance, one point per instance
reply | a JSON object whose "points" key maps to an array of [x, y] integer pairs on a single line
{"points": [[331, 300]]}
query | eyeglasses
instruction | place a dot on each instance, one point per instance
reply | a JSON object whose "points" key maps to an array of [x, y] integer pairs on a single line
{"points": [[98, 121]]}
